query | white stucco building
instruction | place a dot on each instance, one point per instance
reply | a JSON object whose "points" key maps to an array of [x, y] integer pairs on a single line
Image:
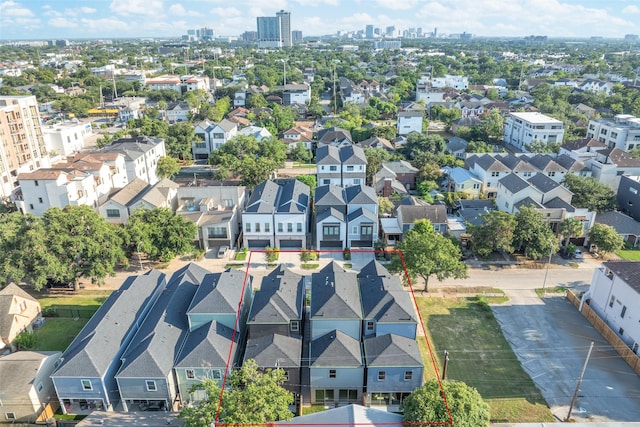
{"points": [[523, 129]]}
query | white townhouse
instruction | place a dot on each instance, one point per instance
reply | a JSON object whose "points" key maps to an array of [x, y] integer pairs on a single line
{"points": [[65, 139], [622, 132], [344, 166], [523, 129], [615, 295], [409, 121], [210, 136], [141, 155]]}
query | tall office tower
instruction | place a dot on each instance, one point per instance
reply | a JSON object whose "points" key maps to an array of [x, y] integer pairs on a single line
{"points": [[269, 32], [22, 147], [296, 36], [368, 32], [285, 28]]}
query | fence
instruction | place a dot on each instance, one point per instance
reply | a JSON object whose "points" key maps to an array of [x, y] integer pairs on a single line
{"points": [[82, 313], [612, 338]]}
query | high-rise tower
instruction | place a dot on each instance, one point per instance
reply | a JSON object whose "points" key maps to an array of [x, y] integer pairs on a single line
{"points": [[285, 27]]}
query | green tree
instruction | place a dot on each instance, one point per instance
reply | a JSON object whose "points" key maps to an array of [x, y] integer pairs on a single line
{"points": [[386, 132], [256, 100], [494, 234], [635, 152], [271, 255], [167, 167], [161, 234], [375, 158], [426, 405], [83, 242], [570, 227], [543, 147], [589, 193], [428, 253], [605, 238], [532, 234], [384, 206], [479, 147], [310, 180], [300, 153], [251, 396], [493, 124], [178, 141]]}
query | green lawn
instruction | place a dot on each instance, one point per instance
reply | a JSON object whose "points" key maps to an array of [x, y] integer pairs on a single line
{"points": [[629, 254], [57, 333], [480, 356]]}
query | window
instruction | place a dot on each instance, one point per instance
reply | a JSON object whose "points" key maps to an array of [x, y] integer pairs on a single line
{"points": [[324, 395], [10, 415], [218, 135], [86, 385], [247, 227], [289, 227], [267, 227], [228, 203], [280, 229], [621, 331], [332, 373], [476, 186], [382, 375], [612, 300], [633, 190], [408, 375], [299, 227], [366, 230], [354, 229], [333, 168], [151, 385], [39, 199], [257, 227], [552, 173], [31, 206], [495, 173], [370, 325], [40, 386], [326, 181], [295, 326], [216, 232], [624, 310], [113, 213], [331, 230], [191, 374], [356, 181], [347, 395], [350, 168], [216, 374]]}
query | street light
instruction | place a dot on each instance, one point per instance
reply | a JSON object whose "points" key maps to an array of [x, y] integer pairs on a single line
{"points": [[544, 282], [284, 67]]}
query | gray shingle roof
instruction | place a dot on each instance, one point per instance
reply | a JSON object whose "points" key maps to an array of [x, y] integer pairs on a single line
{"points": [[543, 183], [489, 163], [275, 348], [329, 195], [352, 155], [361, 195], [629, 271], [219, 293], [437, 214], [334, 294], [18, 372], [528, 202], [326, 136], [544, 162], [514, 183], [294, 196], [327, 155], [154, 348], [91, 353], [336, 349], [623, 224], [391, 350], [132, 148], [558, 203], [330, 212], [400, 166], [362, 212], [383, 297], [279, 299], [207, 346], [263, 198]]}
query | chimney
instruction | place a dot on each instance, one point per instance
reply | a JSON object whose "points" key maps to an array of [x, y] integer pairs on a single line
{"points": [[387, 190]]}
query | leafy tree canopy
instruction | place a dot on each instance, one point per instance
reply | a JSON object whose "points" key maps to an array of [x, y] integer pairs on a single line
{"points": [[605, 238], [167, 167], [495, 233], [532, 234], [589, 193]]}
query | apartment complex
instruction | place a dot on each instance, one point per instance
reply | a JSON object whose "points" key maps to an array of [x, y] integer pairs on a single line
{"points": [[622, 131], [22, 145], [523, 129]]}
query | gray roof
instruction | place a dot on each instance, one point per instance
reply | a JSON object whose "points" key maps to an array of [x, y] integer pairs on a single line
{"points": [[18, 371], [274, 349], [91, 353], [629, 271], [528, 202], [329, 135], [227, 125], [543, 183], [456, 143], [544, 162], [623, 224], [513, 183], [263, 198], [334, 294], [327, 154], [350, 415], [383, 297], [219, 293], [571, 164], [558, 203], [336, 349], [489, 163], [7, 316], [516, 164], [329, 195], [294, 196], [411, 114], [361, 195], [207, 346], [352, 155], [437, 214], [132, 148], [362, 212], [280, 298], [400, 166], [130, 192], [392, 350], [154, 348], [330, 212]]}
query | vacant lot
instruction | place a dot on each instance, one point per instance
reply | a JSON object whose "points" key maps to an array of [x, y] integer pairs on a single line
{"points": [[480, 356]]}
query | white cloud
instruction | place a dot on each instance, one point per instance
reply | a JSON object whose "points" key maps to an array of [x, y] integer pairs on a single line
{"points": [[86, 9], [226, 12], [137, 7], [397, 4], [631, 9], [315, 3], [179, 10], [62, 23], [11, 8]]}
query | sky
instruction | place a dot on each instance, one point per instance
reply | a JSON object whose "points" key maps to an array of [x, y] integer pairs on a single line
{"points": [[73, 19]]}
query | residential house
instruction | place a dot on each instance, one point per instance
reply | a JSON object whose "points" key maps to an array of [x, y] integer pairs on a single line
{"points": [[457, 147], [210, 136], [399, 171], [622, 131], [489, 170], [344, 166], [100, 171], [85, 379], [409, 121], [547, 166], [115, 161], [179, 112], [377, 142], [280, 352], [573, 165], [162, 194], [296, 94], [51, 187], [523, 129], [611, 164], [18, 312], [597, 86], [582, 149], [216, 210], [146, 376], [116, 209], [471, 108], [629, 196], [298, 134], [259, 133], [351, 92], [461, 180], [615, 295], [26, 391], [141, 155], [627, 227], [166, 81], [394, 368], [277, 215], [334, 136]]}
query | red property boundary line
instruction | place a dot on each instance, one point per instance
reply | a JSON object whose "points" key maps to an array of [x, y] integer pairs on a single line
{"points": [[424, 332]]}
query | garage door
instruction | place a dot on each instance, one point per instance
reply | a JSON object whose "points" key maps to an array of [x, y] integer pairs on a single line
{"points": [[330, 244], [362, 243], [291, 244], [258, 244]]}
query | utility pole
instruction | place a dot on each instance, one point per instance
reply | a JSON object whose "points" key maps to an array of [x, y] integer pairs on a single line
{"points": [[575, 393], [334, 89], [444, 365], [546, 273]]}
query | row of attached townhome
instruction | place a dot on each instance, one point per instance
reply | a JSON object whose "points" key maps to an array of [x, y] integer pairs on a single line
{"points": [[210, 136], [343, 166]]}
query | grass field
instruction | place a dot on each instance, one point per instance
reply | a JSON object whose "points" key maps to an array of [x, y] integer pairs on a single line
{"points": [[480, 356], [57, 333], [629, 254]]}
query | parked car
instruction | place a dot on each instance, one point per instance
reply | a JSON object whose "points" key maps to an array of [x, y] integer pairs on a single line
{"points": [[222, 252], [578, 254]]}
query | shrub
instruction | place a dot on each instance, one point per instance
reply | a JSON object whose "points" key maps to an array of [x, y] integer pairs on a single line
{"points": [[25, 341], [271, 254], [306, 255], [347, 254], [49, 312]]}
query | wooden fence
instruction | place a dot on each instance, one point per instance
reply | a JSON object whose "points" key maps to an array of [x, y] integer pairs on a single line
{"points": [[612, 338]]}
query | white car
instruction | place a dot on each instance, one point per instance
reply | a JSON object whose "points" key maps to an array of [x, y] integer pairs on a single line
{"points": [[578, 254], [222, 251]]}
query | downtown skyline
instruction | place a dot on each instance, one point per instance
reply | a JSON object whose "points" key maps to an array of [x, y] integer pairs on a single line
{"points": [[73, 19]]}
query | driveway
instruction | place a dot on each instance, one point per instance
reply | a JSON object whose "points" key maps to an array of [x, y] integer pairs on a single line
{"points": [[551, 339]]}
